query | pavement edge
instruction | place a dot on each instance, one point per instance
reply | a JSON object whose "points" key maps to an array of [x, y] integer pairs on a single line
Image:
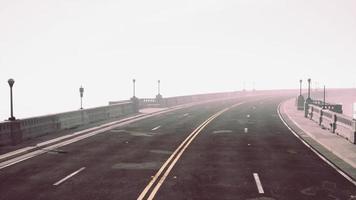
{"points": [[342, 167]]}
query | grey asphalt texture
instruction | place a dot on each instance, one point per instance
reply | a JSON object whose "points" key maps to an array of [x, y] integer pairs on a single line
{"points": [[218, 164]]}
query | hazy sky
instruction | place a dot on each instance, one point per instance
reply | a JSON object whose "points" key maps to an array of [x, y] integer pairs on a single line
{"points": [[51, 47]]}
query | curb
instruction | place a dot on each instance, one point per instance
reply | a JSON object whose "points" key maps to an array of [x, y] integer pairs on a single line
{"points": [[341, 171]]}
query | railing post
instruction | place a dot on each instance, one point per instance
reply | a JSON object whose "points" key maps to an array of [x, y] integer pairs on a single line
{"points": [[353, 133], [321, 117], [333, 125], [306, 109]]}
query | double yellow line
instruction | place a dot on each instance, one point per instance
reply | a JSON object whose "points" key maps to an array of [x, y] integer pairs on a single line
{"points": [[163, 172]]}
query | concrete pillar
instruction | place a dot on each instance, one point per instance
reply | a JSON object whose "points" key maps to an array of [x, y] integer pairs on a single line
{"points": [[135, 104]]}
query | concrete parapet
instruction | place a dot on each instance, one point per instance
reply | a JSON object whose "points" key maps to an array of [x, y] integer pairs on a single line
{"points": [[15, 132], [335, 122]]}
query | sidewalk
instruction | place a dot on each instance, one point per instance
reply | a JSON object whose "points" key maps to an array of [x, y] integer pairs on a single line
{"points": [[336, 149]]}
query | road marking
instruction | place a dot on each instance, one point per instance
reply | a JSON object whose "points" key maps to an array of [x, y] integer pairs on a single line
{"points": [[186, 114], [18, 156], [349, 178], [69, 176], [246, 130], [258, 183], [156, 128], [172, 160]]}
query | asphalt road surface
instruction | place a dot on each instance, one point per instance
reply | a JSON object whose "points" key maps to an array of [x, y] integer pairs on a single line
{"points": [[227, 150]]}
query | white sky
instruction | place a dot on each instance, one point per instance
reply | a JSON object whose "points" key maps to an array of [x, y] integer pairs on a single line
{"points": [[51, 47]]}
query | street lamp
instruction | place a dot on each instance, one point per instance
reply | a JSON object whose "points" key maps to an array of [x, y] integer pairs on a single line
{"points": [[11, 83], [307, 101], [159, 96], [81, 91], [300, 87], [300, 97], [324, 98], [134, 87], [309, 80], [159, 87]]}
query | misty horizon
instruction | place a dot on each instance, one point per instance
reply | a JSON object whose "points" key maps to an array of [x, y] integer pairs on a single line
{"points": [[52, 48]]}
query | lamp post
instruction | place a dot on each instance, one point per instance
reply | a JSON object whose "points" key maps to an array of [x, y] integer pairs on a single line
{"points": [[300, 97], [159, 87], [134, 87], [11, 83], [81, 91], [307, 101], [324, 98], [134, 99], [159, 96], [300, 87], [309, 80]]}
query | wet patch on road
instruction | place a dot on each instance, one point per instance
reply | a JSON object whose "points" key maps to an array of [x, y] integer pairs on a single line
{"points": [[222, 131], [327, 190], [292, 151], [117, 131], [141, 134], [138, 166], [55, 151], [161, 152], [262, 198], [134, 133]]}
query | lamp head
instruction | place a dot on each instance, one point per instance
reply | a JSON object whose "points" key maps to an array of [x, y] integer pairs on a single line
{"points": [[11, 82]]}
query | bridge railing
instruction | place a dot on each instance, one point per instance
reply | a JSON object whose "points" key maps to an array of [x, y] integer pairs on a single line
{"points": [[333, 107], [178, 100], [14, 132], [336, 123]]}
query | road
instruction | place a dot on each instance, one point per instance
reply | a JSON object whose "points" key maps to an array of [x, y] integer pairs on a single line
{"points": [[236, 149]]}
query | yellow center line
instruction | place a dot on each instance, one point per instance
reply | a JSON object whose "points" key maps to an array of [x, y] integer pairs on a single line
{"points": [[176, 155]]}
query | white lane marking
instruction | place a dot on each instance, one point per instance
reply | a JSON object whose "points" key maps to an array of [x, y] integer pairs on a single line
{"points": [[246, 130], [20, 159], [349, 178], [186, 114], [258, 183], [156, 128], [179, 151], [69, 176], [13, 153], [248, 116], [113, 125]]}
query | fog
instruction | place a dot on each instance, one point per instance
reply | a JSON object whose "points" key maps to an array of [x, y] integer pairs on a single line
{"points": [[51, 48]]}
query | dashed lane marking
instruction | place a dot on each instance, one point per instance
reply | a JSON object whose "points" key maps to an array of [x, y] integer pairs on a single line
{"points": [[155, 128], [68, 177], [258, 183]]}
